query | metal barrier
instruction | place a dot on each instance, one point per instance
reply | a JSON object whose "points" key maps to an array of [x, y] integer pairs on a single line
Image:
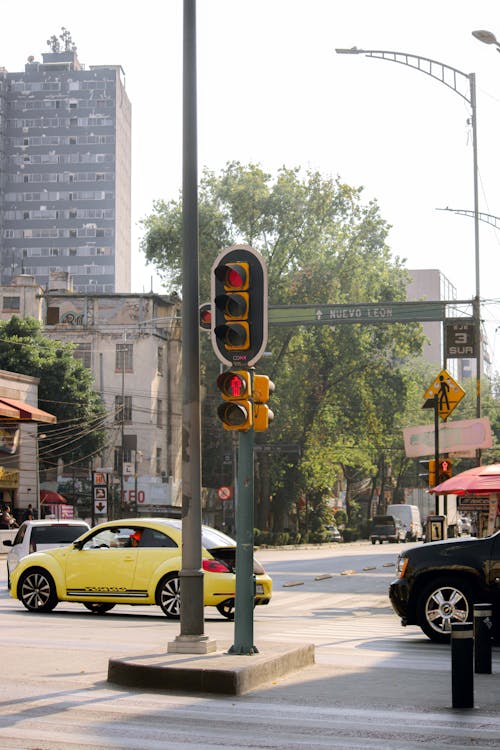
{"points": [[482, 638]]}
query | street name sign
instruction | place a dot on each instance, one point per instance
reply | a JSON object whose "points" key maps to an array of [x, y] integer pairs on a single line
{"points": [[454, 437], [389, 312]]}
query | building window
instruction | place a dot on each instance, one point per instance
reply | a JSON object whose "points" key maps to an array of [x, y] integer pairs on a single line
{"points": [[124, 359], [83, 352], [52, 316], [159, 412], [123, 409], [11, 304], [159, 362], [158, 461]]}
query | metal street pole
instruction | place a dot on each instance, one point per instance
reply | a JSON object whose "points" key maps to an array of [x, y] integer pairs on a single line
{"points": [[191, 638], [450, 77]]}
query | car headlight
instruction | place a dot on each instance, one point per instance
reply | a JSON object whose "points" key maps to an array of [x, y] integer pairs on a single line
{"points": [[402, 563]]}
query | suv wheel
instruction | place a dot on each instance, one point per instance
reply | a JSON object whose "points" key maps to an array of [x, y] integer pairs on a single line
{"points": [[37, 591], [441, 603]]}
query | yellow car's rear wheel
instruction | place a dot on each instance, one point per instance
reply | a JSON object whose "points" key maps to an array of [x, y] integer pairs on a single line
{"points": [[168, 596]]}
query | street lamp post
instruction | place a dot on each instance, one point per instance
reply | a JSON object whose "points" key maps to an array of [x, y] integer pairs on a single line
{"points": [[455, 80]]}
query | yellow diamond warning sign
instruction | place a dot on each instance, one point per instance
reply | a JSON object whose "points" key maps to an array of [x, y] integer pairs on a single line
{"points": [[447, 391]]}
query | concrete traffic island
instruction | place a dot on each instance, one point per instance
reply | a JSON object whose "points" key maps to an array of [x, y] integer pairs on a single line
{"points": [[217, 672]]}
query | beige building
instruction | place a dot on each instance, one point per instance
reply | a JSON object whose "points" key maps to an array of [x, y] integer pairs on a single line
{"points": [[132, 344], [19, 418]]}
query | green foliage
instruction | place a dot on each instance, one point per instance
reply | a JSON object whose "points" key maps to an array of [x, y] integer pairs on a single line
{"points": [[65, 390], [341, 391]]}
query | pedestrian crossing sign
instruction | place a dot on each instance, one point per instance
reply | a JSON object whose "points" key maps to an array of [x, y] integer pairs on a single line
{"points": [[448, 392]]}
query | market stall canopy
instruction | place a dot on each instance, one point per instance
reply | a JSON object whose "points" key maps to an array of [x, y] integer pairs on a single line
{"points": [[24, 412], [481, 480], [49, 497]]}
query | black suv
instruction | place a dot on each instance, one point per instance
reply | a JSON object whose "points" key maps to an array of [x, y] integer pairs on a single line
{"points": [[439, 583]]}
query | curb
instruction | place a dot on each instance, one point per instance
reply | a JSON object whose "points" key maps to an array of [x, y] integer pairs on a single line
{"points": [[220, 672]]}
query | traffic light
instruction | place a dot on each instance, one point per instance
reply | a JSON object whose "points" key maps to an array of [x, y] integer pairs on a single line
{"points": [[239, 296], [236, 412], [206, 316], [429, 476], [262, 414], [445, 469], [432, 473]]}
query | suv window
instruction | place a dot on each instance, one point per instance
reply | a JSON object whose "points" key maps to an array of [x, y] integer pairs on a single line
{"points": [[56, 534]]}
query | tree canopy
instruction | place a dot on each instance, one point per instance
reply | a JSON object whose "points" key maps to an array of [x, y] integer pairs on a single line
{"points": [[65, 390], [340, 390]]}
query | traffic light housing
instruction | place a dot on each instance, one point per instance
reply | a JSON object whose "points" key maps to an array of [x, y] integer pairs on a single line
{"points": [[445, 469], [432, 473], [239, 306], [236, 413], [262, 414], [429, 476], [206, 316]]}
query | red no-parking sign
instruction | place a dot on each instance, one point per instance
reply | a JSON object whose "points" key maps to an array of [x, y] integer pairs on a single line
{"points": [[224, 493]]}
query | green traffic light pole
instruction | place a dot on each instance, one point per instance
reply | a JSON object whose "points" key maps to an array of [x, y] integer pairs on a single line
{"points": [[245, 580]]}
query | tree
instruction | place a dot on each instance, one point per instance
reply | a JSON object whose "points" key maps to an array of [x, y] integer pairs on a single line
{"points": [[339, 390], [65, 390]]}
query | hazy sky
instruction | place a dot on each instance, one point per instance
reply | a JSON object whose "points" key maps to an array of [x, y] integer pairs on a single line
{"points": [[271, 90]]}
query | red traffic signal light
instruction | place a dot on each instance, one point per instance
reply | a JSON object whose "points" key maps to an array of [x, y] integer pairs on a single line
{"points": [[239, 294], [236, 413], [206, 316]]}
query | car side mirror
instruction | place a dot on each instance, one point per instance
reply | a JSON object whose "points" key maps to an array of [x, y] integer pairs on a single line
{"points": [[7, 542], [78, 545]]}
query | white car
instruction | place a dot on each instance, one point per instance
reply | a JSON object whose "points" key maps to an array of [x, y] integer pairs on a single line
{"points": [[37, 536]]}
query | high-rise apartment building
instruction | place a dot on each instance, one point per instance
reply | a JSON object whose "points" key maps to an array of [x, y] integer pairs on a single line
{"points": [[65, 163]]}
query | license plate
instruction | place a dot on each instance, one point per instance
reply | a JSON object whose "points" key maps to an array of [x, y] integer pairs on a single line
{"points": [[259, 589]]}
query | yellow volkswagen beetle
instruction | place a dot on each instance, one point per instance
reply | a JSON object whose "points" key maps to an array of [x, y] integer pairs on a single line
{"points": [[131, 561]]}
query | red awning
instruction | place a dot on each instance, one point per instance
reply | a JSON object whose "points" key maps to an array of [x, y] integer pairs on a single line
{"points": [[481, 480], [49, 497], [24, 412]]}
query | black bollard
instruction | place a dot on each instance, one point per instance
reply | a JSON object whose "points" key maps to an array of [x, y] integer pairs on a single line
{"points": [[462, 665], [482, 638]]}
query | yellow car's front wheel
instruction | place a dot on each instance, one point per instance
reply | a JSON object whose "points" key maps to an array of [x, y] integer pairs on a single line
{"points": [[37, 590]]}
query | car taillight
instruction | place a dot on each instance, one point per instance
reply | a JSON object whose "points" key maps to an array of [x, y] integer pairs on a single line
{"points": [[215, 566]]}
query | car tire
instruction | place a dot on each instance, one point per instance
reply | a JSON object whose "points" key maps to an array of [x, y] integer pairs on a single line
{"points": [[98, 608], [226, 609], [36, 590], [373, 541], [441, 603], [168, 596]]}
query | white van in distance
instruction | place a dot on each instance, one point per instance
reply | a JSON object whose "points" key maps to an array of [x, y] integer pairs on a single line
{"points": [[409, 515]]}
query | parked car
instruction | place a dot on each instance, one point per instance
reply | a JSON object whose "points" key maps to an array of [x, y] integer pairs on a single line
{"points": [[387, 529], [439, 583], [38, 536], [409, 515], [131, 561], [333, 534]]}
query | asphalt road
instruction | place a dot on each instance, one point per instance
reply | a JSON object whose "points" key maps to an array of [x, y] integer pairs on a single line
{"points": [[374, 684]]}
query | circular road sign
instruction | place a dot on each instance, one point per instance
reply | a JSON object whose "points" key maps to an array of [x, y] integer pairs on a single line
{"points": [[224, 493]]}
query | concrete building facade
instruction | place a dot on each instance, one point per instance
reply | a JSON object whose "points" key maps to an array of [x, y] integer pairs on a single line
{"points": [[132, 345], [65, 173]]}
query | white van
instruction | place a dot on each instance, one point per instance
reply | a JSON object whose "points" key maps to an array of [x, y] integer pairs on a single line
{"points": [[409, 515]]}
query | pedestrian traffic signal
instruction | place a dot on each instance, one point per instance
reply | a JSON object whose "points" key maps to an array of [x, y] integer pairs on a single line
{"points": [[206, 316], [239, 296], [262, 414], [236, 412], [445, 469]]}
